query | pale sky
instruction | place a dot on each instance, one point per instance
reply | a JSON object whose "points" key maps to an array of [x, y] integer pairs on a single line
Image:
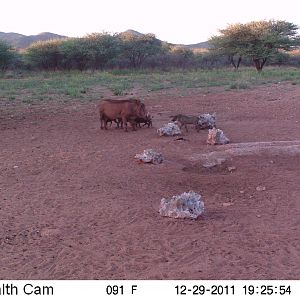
{"points": [[175, 21]]}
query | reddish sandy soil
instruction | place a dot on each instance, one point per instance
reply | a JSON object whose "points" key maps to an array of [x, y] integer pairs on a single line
{"points": [[75, 204]]}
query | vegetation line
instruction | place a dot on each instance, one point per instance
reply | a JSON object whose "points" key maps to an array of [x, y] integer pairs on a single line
{"points": [[258, 43], [30, 87]]}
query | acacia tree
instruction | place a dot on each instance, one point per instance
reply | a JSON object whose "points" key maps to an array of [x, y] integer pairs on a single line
{"points": [[137, 48], [182, 57], [228, 44], [75, 54], [259, 40], [102, 47], [6, 55], [45, 55]]}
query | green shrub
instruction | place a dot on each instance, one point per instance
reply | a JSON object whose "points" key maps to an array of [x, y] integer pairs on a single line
{"points": [[6, 55], [45, 55]]}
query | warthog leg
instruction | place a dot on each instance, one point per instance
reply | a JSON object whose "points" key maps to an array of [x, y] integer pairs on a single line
{"points": [[101, 121], [133, 124], [124, 121], [104, 121]]}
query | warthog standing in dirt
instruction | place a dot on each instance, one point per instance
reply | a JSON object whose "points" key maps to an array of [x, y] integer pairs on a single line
{"points": [[126, 110], [183, 120]]}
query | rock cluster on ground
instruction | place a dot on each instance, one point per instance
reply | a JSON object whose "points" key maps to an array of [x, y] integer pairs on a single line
{"points": [[217, 137], [150, 156], [169, 129], [206, 121], [187, 205]]}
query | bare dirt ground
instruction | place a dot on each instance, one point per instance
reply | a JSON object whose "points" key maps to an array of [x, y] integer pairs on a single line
{"points": [[75, 204]]}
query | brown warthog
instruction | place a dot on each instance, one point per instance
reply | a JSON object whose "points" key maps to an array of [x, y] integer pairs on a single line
{"points": [[126, 109], [184, 120]]}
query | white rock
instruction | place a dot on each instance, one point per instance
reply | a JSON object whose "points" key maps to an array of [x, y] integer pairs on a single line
{"points": [[206, 121], [150, 156], [216, 137], [187, 205], [169, 129], [260, 188]]}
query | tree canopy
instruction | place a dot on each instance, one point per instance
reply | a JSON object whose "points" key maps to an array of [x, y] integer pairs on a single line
{"points": [[258, 40], [138, 47], [6, 55]]}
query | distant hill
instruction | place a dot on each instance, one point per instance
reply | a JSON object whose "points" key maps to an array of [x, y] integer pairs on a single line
{"points": [[131, 32], [202, 45], [20, 41]]}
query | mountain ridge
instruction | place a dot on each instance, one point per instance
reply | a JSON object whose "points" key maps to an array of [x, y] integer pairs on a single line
{"points": [[20, 41]]}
